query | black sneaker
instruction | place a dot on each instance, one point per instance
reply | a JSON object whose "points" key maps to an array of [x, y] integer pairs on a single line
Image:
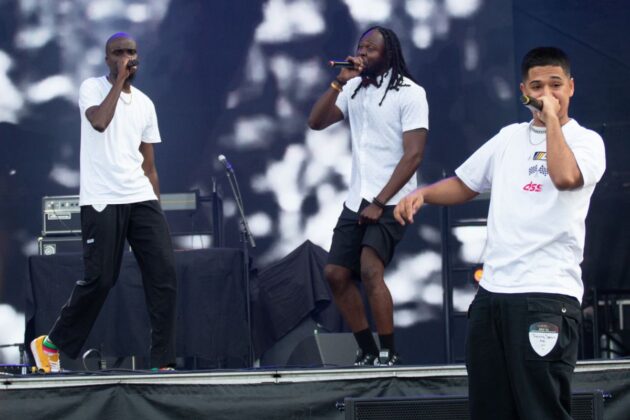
{"points": [[365, 359], [387, 358]]}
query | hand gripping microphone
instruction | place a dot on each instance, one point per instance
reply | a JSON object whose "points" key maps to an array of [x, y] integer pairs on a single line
{"points": [[532, 103], [341, 64]]}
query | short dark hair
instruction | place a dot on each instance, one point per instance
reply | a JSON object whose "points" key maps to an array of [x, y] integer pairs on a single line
{"points": [[545, 56], [116, 36]]}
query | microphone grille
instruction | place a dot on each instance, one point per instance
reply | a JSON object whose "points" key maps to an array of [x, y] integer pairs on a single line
{"points": [[222, 158]]}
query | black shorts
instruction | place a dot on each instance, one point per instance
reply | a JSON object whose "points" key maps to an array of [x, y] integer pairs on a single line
{"points": [[350, 237]]}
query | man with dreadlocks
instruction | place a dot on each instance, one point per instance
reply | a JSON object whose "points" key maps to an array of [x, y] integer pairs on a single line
{"points": [[388, 115]]}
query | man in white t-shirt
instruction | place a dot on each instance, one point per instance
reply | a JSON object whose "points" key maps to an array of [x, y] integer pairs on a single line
{"points": [[119, 200], [388, 115], [523, 327]]}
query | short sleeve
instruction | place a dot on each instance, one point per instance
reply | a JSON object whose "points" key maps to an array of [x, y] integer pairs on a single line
{"points": [[590, 156], [414, 108], [342, 100], [151, 132], [477, 171], [89, 95]]}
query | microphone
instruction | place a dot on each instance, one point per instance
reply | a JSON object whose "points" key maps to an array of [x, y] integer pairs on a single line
{"points": [[132, 63], [340, 64], [225, 163], [532, 103]]}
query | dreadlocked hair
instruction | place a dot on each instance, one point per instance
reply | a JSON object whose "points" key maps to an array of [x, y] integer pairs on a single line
{"points": [[395, 62]]}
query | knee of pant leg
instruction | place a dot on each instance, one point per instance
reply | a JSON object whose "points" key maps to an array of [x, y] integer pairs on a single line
{"points": [[167, 261], [96, 283], [160, 264]]}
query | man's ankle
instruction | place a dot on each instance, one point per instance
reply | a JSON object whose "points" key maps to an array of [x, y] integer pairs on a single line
{"points": [[366, 342], [49, 346]]}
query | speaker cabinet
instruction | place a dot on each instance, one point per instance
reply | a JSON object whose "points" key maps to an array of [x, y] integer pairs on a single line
{"points": [[584, 406], [308, 345], [325, 349], [52, 245]]}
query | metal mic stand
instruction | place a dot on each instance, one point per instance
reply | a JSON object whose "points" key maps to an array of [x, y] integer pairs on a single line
{"points": [[246, 238]]}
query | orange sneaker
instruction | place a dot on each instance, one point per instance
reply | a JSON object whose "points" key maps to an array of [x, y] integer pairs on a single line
{"points": [[47, 360]]}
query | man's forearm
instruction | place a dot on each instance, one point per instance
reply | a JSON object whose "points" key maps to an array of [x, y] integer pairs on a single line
{"points": [[153, 178], [320, 116], [101, 116], [403, 172], [563, 168], [447, 192]]}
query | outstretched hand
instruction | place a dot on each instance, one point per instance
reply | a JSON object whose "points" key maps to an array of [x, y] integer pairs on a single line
{"points": [[408, 207]]}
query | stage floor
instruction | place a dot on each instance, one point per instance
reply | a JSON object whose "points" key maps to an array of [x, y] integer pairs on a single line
{"points": [[258, 393]]}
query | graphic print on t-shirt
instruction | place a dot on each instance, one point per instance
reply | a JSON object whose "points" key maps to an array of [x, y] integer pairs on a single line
{"points": [[540, 156], [536, 171], [539, 168]]}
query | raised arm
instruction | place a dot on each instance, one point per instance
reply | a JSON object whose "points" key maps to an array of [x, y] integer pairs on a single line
{"points": [[101, 115], [445, 192], [564, 171], [325, 113]]}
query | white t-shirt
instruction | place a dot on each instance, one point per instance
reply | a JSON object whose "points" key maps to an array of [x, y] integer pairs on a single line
{"points": [[111, 162], [535, 231], [376, 131]]}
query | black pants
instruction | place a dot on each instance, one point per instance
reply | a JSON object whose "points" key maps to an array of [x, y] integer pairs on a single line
{"points": [[104, 233], [521, 350]]}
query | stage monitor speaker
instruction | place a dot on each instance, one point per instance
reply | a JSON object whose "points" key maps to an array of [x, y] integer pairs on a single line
{"points": [[278, 354], [326, 349], [584, 406], [310, 344]]}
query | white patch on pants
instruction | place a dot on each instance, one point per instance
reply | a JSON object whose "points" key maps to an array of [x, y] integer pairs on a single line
{"points": [[543, 337]]}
